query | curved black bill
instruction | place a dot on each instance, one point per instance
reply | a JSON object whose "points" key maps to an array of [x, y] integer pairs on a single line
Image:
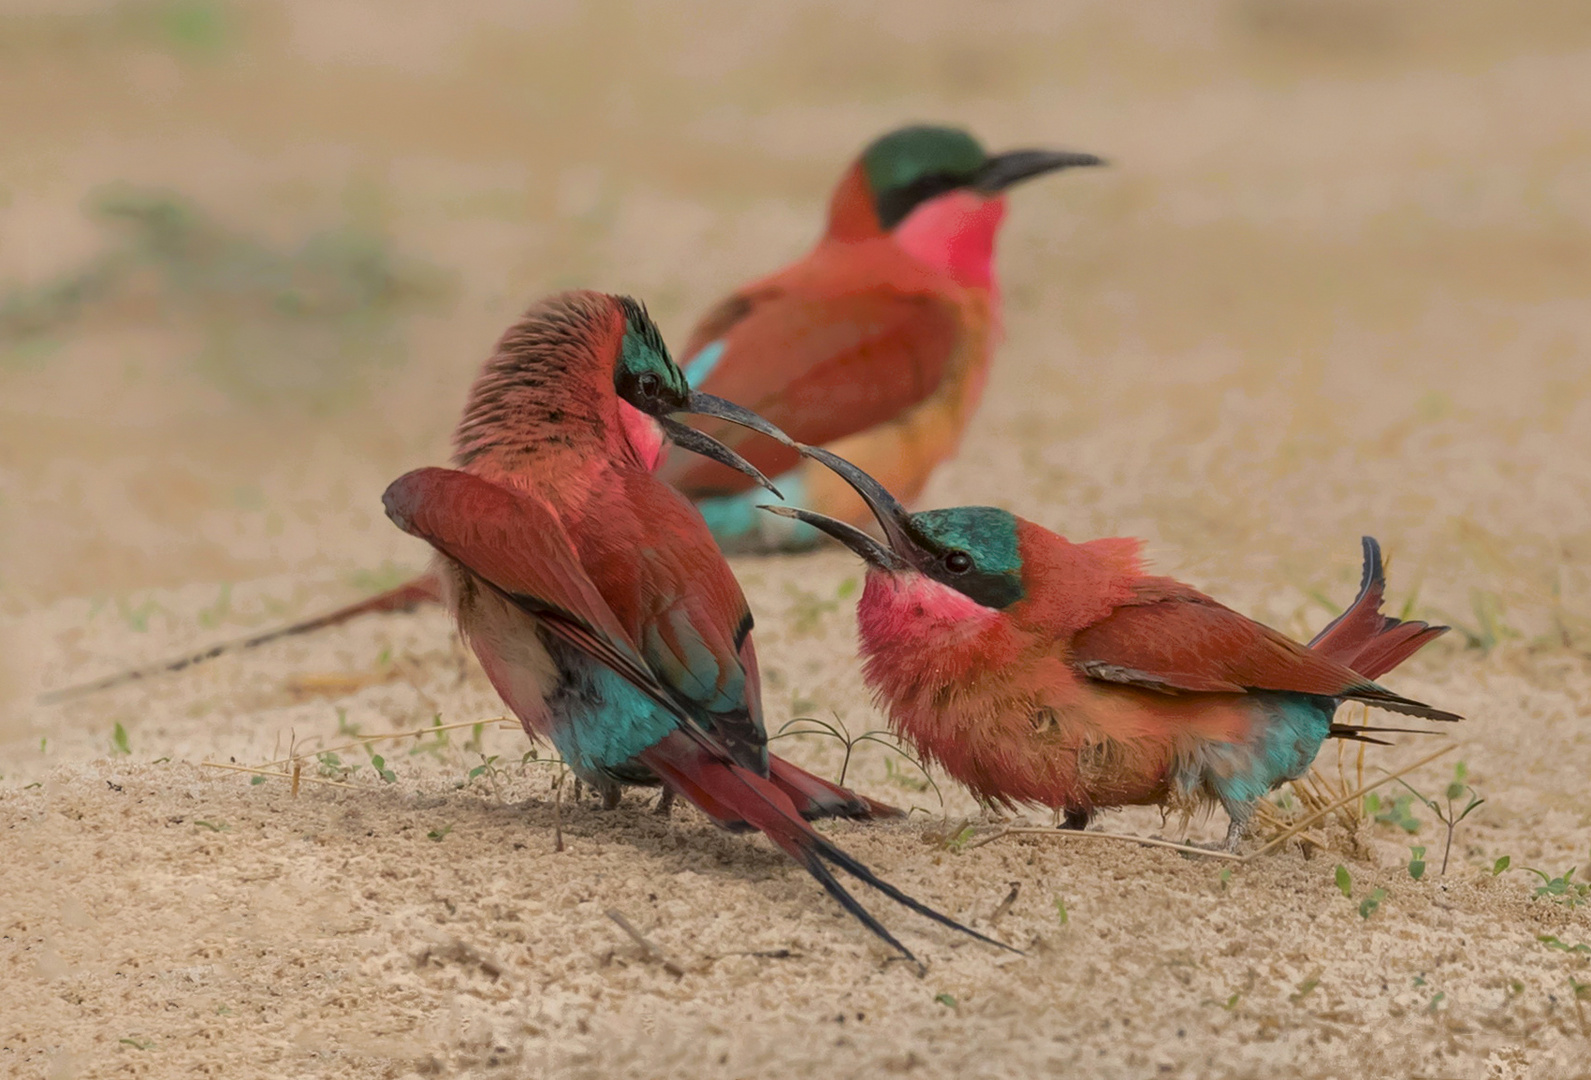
{"points": [[724, 409], [688, 438], [1015, 166], [893, 518], [871, 551]]}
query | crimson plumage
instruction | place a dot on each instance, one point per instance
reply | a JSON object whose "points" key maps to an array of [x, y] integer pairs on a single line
{"points": [[1038, 670]]}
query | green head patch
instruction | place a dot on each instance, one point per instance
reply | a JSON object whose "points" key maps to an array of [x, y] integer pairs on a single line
{"points": [[974, 550], [646, 376], [913, 164]]}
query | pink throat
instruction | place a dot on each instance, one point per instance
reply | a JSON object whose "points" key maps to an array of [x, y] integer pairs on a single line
{"points": [[955, 233], [644, 434], [911, 610]]}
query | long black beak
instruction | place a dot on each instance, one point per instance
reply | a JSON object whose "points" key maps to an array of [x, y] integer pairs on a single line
{"points": [[1015, 166], [892, 517], [872, 552], [697, 442]]}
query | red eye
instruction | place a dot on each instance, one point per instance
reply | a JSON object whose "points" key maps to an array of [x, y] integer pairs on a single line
{"points": [[958, 562]]}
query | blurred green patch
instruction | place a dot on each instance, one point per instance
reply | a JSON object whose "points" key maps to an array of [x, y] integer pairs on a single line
{"points": [[303, 326], [188, 29]]}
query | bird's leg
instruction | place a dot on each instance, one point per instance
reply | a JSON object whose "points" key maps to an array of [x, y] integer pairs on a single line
{"points": [[665, 803], [1237, 828], [580, 789], [610, 796], [1076, 820]]}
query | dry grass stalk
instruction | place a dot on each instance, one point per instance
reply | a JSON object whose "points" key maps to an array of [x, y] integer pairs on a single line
{"points": [[275, 774], [648, 950], [502, 721]]}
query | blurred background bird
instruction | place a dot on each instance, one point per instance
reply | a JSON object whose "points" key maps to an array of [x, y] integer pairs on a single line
{"points": [[593, 595], [1036, 670], [876, 343]]}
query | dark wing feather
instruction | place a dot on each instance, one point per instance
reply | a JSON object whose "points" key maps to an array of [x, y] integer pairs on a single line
{"points": [[1172, 639]]}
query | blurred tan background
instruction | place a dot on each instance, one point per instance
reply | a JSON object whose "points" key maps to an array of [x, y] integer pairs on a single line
{"points": [[251, 253]]}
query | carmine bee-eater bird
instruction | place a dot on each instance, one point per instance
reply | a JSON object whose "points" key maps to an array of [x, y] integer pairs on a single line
{"points": [[593, 594], [1039, 671], [876, 344]]}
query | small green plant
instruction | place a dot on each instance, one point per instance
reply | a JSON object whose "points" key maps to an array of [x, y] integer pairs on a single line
{"points": [[1552, 941], [957, 841], [1060, 911], [1562, 889], [332, 765], [1416, 862], [436, 835], [946, 1000], [1369, 905], [344, 728], [839, 731], [487, 768], [379, 763], [1344, 882], [1446, 812], [1436, 1001], [1394, 812], [1305, 988], [137, 1044], [436, 744], [1224, 877], [118, 740], [1501, 864], [213, 826]]}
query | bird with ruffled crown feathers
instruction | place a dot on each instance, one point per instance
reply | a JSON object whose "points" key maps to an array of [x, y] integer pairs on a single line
{"points": [[593, 594]]}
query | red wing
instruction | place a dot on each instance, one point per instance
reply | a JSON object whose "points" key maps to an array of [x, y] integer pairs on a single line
{"points": [[665, 579], [820, 367], [1173, 638], [518, 545]]}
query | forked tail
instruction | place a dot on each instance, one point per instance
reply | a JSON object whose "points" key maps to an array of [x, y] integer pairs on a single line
{"points": [[1372, 644], [1364, 639], [732, 795], [406, 597]]}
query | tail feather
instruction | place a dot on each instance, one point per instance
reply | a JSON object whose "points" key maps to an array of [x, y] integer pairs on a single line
{"points": [[422, 590], [1364, 639], [1372, 644], [815, 797], [731, 794]]}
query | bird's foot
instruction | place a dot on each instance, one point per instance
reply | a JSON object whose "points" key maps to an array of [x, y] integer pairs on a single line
{"points": [[665, 803], [610, 797], [1076, 820]]}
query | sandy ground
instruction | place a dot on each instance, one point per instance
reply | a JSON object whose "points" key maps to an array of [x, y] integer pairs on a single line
{"points": [[1335, 283]]}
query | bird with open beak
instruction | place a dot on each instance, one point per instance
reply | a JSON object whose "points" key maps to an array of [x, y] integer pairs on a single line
{"points": [[1039, 671], [593, 594]]}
